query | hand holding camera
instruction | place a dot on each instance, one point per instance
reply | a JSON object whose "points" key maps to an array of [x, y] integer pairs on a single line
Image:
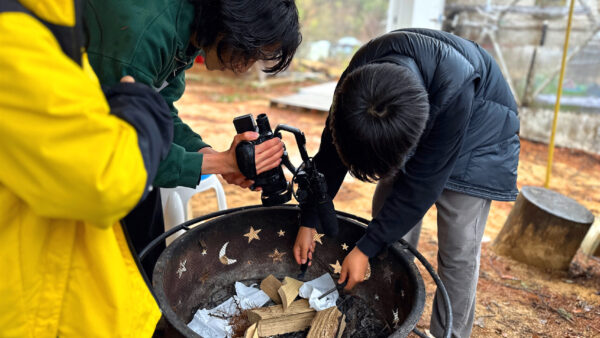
{"points": [[268, 156]]}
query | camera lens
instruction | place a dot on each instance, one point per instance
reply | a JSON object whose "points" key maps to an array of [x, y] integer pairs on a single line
{"points": [[264, 127]]}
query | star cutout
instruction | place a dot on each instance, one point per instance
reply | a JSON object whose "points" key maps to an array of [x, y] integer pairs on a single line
{"points": [[387, 274], [277, 256], [182, 268], [396, 318], [252, 234], [281, 233], [203, 252], [376, 297], [344, 247], [337, 268], [317, 238]]}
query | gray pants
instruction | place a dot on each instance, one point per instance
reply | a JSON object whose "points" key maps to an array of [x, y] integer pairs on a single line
{"points": [[461, 220]]}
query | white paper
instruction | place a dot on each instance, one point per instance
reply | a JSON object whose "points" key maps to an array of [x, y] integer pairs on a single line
{"points": [[315, 288], [249, 296], [213, 327]]}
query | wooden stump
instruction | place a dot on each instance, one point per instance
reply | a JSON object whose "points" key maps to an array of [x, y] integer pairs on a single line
{"points": [[544, 229]]}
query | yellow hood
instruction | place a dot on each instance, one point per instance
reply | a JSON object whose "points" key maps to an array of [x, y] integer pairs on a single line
{"points": [[58, 12]]}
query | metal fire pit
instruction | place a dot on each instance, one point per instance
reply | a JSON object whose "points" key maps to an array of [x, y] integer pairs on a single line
{"points": [[199, 268]]}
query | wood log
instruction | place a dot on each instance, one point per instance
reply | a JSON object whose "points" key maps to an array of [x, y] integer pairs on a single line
{"points": [[325, 324], [270, 285], [283, 325], [289, 291], [342, 327], [273, 320], [544, 229], [273, 312], [251, 332], [591, 243]]}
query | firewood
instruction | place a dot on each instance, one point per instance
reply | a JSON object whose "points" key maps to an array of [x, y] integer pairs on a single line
{"points": [[289, 291], [283, 325], [270, 285], [273, 321], [342, 327], [325, 324], [276, 311], [251, 332]]}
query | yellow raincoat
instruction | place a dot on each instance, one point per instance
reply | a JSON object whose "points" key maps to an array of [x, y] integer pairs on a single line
{"points": [[68, 172]]}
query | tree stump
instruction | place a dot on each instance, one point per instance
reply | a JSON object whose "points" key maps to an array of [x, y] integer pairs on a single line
{"points": [[544, 229]]}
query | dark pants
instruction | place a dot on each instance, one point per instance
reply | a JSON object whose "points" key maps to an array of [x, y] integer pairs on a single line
{"points": [[143, 224]]}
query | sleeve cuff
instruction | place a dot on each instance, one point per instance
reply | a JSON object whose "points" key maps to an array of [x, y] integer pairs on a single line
{"points": [[193, 144], [191, 170], [369, 245], [308, 216]]}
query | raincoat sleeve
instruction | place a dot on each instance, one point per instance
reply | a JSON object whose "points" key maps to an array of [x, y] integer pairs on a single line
{"points": [[61, 151]]}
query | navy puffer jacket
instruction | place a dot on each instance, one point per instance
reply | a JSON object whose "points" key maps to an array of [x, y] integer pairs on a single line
{"points": [[470, 143]]}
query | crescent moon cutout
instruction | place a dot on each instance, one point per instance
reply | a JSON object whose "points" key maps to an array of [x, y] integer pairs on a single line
{"points": [[223, 258]]}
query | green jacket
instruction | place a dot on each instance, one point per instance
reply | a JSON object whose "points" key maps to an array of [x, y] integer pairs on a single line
{"points": [[149, 40]]}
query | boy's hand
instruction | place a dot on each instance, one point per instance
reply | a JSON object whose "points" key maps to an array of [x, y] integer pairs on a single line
{"points": [[305, 245], [354, 268]]}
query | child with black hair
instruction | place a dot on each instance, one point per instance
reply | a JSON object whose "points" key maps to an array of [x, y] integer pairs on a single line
{"points": [[155, 41], [430, 117]]}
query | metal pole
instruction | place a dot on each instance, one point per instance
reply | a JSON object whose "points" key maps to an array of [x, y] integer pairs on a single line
{"points": [[558, 94]]}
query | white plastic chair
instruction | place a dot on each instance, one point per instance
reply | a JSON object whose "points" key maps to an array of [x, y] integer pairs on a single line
{"points": [[175, 202]]}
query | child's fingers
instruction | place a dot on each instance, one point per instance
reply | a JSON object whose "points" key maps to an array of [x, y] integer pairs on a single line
{"points": [[310, 256], [343, 275], [297, 253], [351, 283], [303, 255]]}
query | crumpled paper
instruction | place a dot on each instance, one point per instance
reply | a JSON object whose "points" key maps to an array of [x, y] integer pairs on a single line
{"points": [[205, 322], [315, 288]]}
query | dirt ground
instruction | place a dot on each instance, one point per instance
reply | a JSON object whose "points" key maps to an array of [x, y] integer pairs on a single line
{"points": [[513, 299]]}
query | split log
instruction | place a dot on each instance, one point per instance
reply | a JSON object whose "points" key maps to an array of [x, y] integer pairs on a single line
{"points": [[273, 321], [270, 285], [325, 324], [251, 332], [591, 243], [289, 291], [544, 229], [342, 327]]}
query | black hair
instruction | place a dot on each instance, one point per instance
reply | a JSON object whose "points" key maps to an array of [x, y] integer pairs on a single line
{"points": [[377, 117], [249, 29]]}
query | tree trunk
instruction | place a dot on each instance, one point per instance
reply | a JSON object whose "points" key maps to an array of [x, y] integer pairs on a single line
{"points": [[544, 229]]}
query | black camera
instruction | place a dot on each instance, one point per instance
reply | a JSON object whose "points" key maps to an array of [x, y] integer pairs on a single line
{"points": [[275, 188], [312, 188]]}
